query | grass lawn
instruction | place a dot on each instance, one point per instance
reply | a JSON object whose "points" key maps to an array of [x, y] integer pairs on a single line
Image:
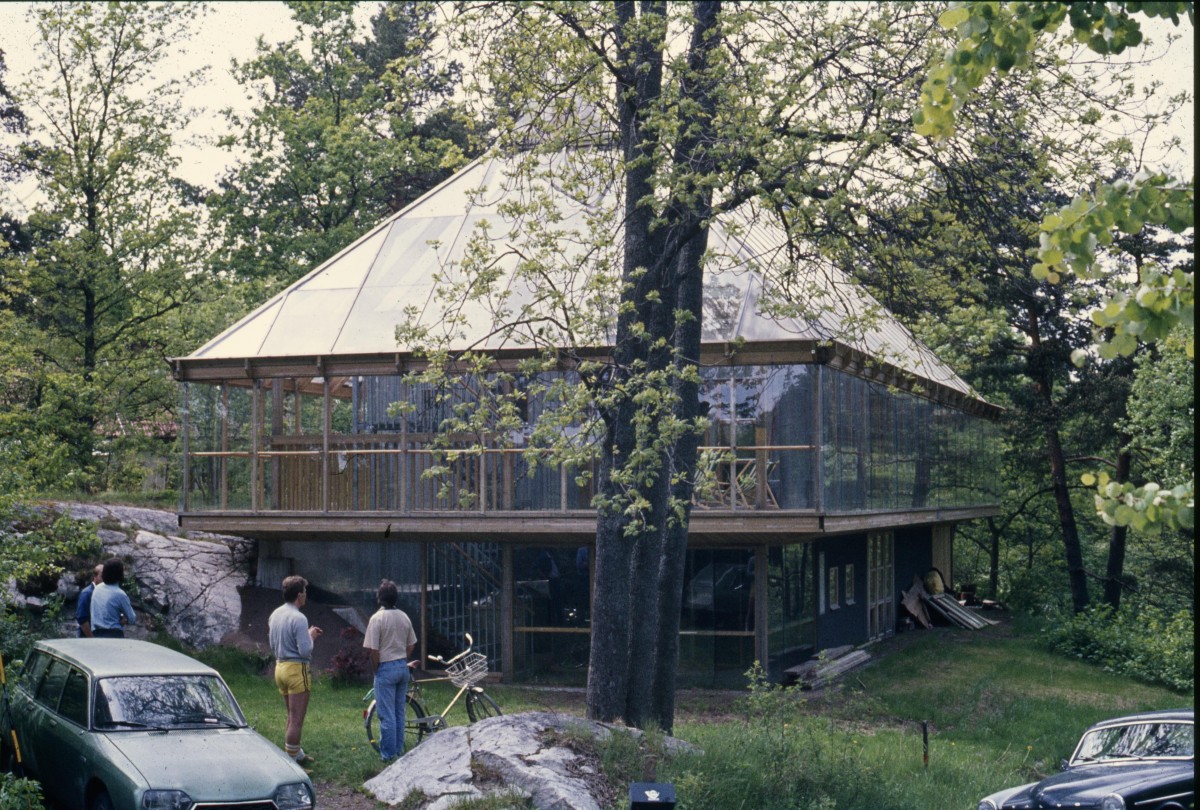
{"points": [[999, 711]]}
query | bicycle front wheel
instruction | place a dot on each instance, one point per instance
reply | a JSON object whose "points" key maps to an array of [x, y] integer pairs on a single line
{"points": [[414, 729], [480, 706]]}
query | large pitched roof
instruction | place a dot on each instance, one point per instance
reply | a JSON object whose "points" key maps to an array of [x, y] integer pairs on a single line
{"points": [[352, 303]]}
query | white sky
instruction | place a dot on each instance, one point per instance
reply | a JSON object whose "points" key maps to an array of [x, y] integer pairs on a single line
{"points": [[230, 30]]}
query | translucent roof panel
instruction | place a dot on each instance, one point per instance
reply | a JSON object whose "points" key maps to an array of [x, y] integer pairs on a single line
{"points": [[754, 289]]}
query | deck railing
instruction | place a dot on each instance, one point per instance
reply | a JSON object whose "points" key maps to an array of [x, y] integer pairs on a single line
{"points": [[378, 472]]}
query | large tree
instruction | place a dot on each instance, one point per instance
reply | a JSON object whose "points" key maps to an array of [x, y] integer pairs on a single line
{"points": [[662, 118], [114, 244]]}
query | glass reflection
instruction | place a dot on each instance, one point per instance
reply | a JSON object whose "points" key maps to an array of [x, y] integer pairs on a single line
{"points": [[165, 701], [1137, 741]]}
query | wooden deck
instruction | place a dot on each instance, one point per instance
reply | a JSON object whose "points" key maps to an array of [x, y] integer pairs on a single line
{"points": [[708, 527]]}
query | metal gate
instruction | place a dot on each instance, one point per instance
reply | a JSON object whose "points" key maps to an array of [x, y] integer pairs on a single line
{"points": [[462, 595]]}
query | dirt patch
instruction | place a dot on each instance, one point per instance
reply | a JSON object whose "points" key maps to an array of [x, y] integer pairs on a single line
{"points": [[331, 796]]}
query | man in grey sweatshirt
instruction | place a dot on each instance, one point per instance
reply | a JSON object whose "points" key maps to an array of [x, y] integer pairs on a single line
{"points": [[292, 643]]}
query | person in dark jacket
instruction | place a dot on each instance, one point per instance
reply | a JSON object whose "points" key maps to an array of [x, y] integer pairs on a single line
{"points": [[83, 607]]}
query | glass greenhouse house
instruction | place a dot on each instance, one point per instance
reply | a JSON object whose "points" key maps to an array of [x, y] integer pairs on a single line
{"points": [[839, 455]]}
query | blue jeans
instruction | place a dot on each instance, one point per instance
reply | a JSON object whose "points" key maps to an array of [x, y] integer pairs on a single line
{"points": [[391, 689]]}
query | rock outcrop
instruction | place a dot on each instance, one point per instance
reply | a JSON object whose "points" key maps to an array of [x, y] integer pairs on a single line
{"points": [[188, 585], [528, 754]]}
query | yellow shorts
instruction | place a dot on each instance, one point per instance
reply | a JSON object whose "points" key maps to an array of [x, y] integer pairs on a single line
{"points": [[292, 678]]}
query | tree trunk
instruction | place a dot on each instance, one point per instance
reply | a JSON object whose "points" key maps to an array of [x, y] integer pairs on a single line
{"points": [[1115, 569], [994, 560], [624, 577], [1072, 550]]}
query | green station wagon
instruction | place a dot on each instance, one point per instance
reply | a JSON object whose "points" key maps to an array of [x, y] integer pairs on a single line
{"points": [[117, 724]]}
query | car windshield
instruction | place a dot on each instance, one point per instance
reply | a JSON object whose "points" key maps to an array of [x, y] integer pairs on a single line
{"points": [[1137, 741], [165, 701]]}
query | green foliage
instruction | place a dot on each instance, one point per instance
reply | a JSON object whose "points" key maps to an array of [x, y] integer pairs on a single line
{"points": [[17, 635], [1164, 298], [19, 794], [114, 243], [1148, 644], [35, 542], [1147, 508], [993, 36], [1003, 36], [345, 131]]}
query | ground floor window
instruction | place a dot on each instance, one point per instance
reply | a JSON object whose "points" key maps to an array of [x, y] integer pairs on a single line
{"points": [[792, 607], [551, 614]]}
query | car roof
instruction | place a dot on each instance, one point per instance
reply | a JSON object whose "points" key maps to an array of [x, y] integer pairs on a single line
{"points": [[104, 657], [1164, 715]]}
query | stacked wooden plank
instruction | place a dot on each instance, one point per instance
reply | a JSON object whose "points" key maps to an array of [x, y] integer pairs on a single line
{"points": [[952, 611], [916, 599], [826, 667]]}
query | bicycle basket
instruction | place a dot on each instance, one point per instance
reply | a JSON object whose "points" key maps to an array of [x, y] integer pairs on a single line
{"points": [[469, 670]]}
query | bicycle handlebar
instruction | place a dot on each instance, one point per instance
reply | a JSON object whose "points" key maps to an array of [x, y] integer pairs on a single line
{"points": [[438, 659]]}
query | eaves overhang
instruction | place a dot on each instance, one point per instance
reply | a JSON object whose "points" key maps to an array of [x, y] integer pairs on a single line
{"points": [[316, 367]]}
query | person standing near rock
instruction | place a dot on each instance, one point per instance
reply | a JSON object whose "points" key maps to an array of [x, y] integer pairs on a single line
{"points": [[110, 606], [390, 641], [292, 643], [83, 607]]}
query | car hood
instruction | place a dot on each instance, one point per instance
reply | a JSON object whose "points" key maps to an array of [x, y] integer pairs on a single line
{"points": [[1087, 785], [250, 767]]}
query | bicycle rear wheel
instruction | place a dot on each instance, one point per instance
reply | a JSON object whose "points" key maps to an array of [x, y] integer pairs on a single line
{"points": [[480, 706], [414, 729]]}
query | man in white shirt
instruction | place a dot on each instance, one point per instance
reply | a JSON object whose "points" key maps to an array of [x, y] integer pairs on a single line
{"points": [[390, 642]]}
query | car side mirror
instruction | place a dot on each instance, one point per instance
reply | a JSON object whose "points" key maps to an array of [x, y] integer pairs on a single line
{"points": [[1062, 764]]}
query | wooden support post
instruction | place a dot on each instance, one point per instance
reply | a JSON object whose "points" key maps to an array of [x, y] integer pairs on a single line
{"points": [[277, 423], [326, 420], [256, 421], [507, 637], [224, 446], [187, 463], [760, 468]]}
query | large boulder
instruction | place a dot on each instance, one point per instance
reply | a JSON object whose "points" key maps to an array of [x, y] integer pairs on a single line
{"points": [[192, 585], [530, 754], [189, 585]]}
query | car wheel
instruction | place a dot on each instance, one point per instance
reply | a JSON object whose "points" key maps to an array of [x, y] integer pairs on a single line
{"points": [[101, 801]]}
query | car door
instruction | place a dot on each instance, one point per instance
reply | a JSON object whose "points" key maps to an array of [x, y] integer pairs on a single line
{"points": [[24, 707], [70, 741], [52, 741]]}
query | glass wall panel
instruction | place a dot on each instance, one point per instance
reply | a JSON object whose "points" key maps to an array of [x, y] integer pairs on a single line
{"points": [[875, 448], [461, 588], [551, 614], [219, 424], [716, 625], [885, 449], [761, 432]]}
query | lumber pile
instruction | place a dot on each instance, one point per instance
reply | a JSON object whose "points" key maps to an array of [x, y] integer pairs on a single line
{"points": [[827, 666], [919, 602]]}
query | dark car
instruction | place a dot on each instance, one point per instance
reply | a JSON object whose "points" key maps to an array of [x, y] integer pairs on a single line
{"points": [[1143, 761], [117, 724]]}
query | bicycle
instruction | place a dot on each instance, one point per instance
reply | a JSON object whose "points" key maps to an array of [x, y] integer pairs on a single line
{"points": [[464, 670]]}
